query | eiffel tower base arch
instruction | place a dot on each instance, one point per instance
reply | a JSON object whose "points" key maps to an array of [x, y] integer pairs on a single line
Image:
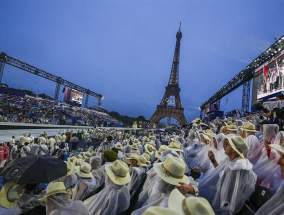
{"points": [[162, 112]]}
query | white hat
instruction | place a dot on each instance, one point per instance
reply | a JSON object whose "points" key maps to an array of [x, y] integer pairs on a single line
{"points": [[9, 194], [190, 205], [154, 210], [172, 171], [53, 188], [84, 171], [118, 172]]}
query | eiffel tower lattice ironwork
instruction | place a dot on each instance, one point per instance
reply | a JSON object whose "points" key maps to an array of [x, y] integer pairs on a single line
{"points": [[169, 106]]}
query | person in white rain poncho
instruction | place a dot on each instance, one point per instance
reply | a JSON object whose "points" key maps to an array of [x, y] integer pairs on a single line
{"points": [[266, 164], [58, 201], [233, 181], [70, 179], [269, 134], [135, 172], [251, 140], [9, 195], [115, 197], [275, 205], [120, 154], [171, 174], [86, 183]]}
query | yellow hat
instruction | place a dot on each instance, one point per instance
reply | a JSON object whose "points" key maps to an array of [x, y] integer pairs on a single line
{"points": [[248, 127], [147, 156], [134, 146], [149, 149], [232, 127], [133, 156], [154, 210], [238, 144], [9, 194], [53, 188], [190, 205], [118, 172], [87, 155], [176, 146], [84, 171], [118, 146], [70, 167], [143, 160], [161, 149], [172, 171]]}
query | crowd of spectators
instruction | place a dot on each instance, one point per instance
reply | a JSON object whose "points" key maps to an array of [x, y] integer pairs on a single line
{"points": [[28, 109]]}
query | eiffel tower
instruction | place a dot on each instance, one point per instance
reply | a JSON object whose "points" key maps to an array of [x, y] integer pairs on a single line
{"points": [[169, 106]]}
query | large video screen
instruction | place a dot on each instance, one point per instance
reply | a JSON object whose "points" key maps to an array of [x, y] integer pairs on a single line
{"points": [[76, 96], [270, 78]]}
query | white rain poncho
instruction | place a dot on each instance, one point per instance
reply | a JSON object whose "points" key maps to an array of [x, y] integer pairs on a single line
{"points": [[43, 149], [253, 145], [69, 180], [269, 132], [10, 211], [100, 174], [56, 204], [95, 162], [191, 157], [28, 201], [152, 178], [157, 196], [83, 188], [136, 175], [219, 152], [228, 190], [266, 165], [273, 181], [112, 200], [275, 205]]}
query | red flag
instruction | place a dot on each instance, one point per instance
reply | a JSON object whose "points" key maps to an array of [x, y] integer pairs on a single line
{"points": [[264, 71]]}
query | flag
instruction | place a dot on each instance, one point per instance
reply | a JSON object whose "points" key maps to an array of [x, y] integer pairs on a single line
{"points": [[265, 71]]}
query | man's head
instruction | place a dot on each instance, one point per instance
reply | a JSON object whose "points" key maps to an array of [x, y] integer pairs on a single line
{"points": [[13, 137], [279, 97], [109, 138], [108, 156], [229, 151], [234, 147]]}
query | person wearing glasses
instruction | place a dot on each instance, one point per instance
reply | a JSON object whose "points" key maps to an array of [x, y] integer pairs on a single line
{"points": [[232, 181]]}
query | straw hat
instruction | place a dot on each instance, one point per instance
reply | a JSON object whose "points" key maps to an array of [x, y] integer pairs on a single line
{"points": [[135, 141], [231, 127], [118, 172], [248, 127], [190, 205], [206, 137], [159, 211], [279, 148], [196, 120], [147, 156], [133, 156], [78, 162], [79, 156], [70, 167], [153, 144], [118, 146], [238, 144], [53, 188], [9, 194], [134, 146], [84, 171], [143, 160], [161, 149], [172, 171], [87, 155], [175, 146], [149, 149]]}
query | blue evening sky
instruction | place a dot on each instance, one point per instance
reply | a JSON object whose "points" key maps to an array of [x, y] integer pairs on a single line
{"points": [[124, 49]]}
